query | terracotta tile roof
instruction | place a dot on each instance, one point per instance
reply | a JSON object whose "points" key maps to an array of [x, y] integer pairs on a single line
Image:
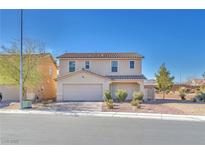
{"points": [[124, 77], [102, 55]]}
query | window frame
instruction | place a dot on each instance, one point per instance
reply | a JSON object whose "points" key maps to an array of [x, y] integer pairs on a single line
{"points": [[70, 66], [130, 64], [116, 67], [88, 65]]}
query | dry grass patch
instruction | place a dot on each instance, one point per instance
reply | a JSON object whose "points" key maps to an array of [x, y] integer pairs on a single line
{"points": [[189, 108]]}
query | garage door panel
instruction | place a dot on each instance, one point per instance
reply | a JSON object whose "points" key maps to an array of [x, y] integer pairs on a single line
{"points": [[82, 92], [9, 92]]}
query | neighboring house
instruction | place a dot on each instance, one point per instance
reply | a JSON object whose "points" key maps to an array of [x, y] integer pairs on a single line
{"points": [[177, 86], [86, 76], [45, 90], [197, 82]]}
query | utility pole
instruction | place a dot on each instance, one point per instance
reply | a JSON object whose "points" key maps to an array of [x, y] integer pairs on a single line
{"points": [[21, 64]]}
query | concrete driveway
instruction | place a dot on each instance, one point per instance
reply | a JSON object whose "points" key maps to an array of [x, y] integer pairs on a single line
{"points": [[4, 104], [64, 106], [58, 106], [79, 106]]}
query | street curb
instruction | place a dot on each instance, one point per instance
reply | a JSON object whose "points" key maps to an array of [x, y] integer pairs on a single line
{"points": [[110, 114]]}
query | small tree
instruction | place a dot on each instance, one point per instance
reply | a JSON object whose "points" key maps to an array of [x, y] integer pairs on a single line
{"points": [[108, 99], [107, 95], [183, 92], [164, 80], [10, 62]]}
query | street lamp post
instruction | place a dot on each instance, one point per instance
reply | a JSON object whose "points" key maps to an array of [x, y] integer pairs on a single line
{"points": [[21, 64]]}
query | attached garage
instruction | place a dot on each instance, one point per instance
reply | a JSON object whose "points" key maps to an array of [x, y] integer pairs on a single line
{"points": [[9, 92], [82, 92], [82, 86]]}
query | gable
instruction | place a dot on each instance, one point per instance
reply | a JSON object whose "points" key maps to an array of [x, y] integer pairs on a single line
{"points": [[82, 77]]}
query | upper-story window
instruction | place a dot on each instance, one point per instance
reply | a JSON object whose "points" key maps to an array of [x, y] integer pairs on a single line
{"points": [[87, 65], [132, 64], [114, 66], [71, 66]]}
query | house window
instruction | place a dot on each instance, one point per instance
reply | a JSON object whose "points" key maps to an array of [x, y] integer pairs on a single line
{"points": [[50, 71], [114, 66], [87, 65], [71, 66], [132, 64]]}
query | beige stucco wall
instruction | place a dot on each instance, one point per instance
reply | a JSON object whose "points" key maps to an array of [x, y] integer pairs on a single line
{"points": [[102, 67], [129, 86], [81, 78]]}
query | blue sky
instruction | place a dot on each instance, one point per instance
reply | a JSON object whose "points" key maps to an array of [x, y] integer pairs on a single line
{"points": [[173, 37]]}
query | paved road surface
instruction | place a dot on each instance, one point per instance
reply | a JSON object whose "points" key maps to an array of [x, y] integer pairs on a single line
{"points": [[52, 129]]}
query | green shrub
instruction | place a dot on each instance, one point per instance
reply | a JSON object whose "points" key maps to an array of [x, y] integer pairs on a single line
{"points": [[183, 92], [121, 95], [107, 95], [202, 89], [109, 104], [200, 97], [183, 96], [137, 96], [194, 99], [136, 103], [108, 99], [137, 99]]}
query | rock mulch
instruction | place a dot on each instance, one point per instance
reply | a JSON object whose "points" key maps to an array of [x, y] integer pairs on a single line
{"points": [[156, 106]]}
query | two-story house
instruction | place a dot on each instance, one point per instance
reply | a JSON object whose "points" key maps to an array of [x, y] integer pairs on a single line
{"points": [[44, 90], [86, 76]]}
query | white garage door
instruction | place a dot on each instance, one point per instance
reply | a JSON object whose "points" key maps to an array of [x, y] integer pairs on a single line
{"points": [[82, 92], [9, 92]]}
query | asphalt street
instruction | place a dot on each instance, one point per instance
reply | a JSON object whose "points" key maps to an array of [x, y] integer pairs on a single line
{"points": [[61, 129]]}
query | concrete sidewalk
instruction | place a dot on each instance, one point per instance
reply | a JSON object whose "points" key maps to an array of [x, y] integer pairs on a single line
{"points": [[110, 114]]}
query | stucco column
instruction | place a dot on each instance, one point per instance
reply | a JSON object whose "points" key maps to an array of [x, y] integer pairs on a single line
{"points": [[142, 88], [59, 92], [106, 86]]}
